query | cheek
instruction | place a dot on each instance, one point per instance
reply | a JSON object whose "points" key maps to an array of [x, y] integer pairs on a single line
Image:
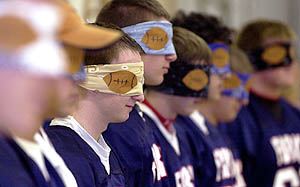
{"points": [[153, 62], [119, 101], [290, 73], [188, 104], [278, 74], [227, 104], [70, 90], [44, 87], [215, 85]]}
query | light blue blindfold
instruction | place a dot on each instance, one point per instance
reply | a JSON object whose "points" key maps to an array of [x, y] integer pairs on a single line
{"points": [[217, 67], [241, 91], [155, 37]]}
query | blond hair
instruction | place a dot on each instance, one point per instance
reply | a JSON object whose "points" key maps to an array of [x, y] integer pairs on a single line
{"points": [[253, 34]]}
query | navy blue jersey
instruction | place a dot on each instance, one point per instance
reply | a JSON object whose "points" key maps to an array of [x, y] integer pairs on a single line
{"points": [[17, 169], [46, 123], [267, 134], [133, 141], [215, 161], [176, 169], [81, 159]]}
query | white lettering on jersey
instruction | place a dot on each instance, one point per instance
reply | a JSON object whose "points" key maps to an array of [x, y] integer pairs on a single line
{"points": [[238, 167], [287, 148], [185, 177], [224, 163], [158, 167], [286, 177]]}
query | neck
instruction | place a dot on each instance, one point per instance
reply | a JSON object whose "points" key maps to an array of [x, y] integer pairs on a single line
{"points": [[264, 90], [161, 103], [90, 118], [206, 109], [27, 130], [26, 136]]}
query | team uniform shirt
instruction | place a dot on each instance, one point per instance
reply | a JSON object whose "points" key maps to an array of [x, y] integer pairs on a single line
{"points": [[215, 161], [267, 134], [33, 150], [91, 162], [173, 153], [134, 144], [55, 159], [18, 168]]}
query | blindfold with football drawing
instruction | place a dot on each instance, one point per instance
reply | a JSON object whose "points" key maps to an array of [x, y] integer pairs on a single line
{"points": [[275, 55], [237, 85], [155, 37], [186, 80], [122, 79], [220, 58]]}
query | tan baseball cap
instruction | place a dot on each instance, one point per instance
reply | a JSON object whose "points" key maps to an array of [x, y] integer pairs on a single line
{"points": [[78, 34]]}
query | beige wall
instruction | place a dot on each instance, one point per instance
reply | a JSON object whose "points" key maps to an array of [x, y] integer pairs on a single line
{"points": [[233, 12]]}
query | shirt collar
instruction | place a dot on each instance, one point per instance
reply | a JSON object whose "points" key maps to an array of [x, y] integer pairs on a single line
{"points": [[167, 123], [100, 147]]}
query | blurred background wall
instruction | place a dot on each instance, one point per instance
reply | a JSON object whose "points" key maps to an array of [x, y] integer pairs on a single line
{"points": [[234, 13]]}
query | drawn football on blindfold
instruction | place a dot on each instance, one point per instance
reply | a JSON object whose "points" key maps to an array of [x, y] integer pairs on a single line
{"points": [[196, 80], [120, 81], [155, 38]]}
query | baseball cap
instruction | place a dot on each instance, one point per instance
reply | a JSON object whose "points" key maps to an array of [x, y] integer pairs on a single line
{"points": [[78, 34]]}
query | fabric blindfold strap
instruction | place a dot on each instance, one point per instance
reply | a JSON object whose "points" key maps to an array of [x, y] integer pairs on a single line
{"points": [[121, 79], [28, 59], [272, 56], [155, 37], [78, 76], [237, 85], [220, 58], [186, 80]]}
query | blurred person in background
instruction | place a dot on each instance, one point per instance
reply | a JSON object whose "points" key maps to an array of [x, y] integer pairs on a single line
{"points": [[266, 132], [215, 160], [28, 87], [75, 37], [33, 88]]}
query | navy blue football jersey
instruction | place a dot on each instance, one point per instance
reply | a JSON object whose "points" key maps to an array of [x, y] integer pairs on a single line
{"points": [[267, 134], [173, 155], [17, 169], [134, 143], [215, 161], [82, 160], [46, 123]]}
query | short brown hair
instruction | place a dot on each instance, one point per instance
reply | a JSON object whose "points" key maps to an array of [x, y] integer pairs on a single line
{"points": [[239, 61], [253, 34], [130, 12], [106, 55], [190, 48]]}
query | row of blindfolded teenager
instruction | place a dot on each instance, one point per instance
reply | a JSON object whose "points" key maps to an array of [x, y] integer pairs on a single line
{"points": [[140, 99]]}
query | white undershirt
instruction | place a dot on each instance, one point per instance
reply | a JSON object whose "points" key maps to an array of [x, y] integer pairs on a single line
{"points": [[101, 148], [55, 159], [171, 137], [199, 120], [33, 150]]}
